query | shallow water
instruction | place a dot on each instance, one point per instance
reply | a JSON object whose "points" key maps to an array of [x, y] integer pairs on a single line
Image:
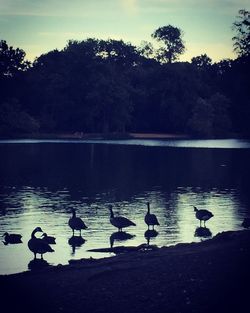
{"points": [[42, 180]]}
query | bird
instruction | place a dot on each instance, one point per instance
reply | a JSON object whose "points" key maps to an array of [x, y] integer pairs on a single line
{"points": [[38, 245], [76, 223], [119, 222], [246, 222], [49, 239], [12, 238], [203, 215], [150, 219]]}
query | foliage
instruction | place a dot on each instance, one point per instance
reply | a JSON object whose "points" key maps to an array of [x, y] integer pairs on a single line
{"points": [[111, 86], [242, 38], [210, 117], [202, 62], [173, 43], [11, 60]]}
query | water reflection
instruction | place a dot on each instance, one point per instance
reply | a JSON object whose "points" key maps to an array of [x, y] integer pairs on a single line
{"points": [[76, 242], [119, 236], [203, 232], [150, 233], [37, 264], [40, 182]]}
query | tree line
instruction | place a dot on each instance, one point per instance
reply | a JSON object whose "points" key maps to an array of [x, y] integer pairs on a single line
{"points": [[103, 86]]}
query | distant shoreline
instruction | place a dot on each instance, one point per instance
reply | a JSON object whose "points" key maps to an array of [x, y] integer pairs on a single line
{"points": [[113, 136]]}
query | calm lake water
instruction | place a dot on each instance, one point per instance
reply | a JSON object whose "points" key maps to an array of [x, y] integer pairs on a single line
{"points": [[42, 180]]}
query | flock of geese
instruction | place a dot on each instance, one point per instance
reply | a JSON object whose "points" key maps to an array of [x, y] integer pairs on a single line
{"points": [[42, 245]]}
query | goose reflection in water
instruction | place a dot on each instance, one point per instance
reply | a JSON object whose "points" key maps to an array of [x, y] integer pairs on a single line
{"points": [[37, 264], [119, 236], [76, 242], [12, 238], [202, 232], [150, 233]]}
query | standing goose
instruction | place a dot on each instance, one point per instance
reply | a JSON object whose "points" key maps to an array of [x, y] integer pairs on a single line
{"points": [[12, 238], [76, 223], [203, 215], [38, 245], [119, 222], [150, 219]]}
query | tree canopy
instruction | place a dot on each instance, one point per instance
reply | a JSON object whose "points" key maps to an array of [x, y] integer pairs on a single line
{"points": [[103, 86], [173, 43], [242, 37]]}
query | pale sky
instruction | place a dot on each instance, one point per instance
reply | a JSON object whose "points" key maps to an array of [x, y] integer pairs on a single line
{"points": [[38, 26]]}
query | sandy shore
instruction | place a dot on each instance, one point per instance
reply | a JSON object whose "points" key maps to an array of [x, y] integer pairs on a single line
{"points": [[212, 276]]}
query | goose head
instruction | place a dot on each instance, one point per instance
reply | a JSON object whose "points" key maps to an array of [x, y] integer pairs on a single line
{"points": [[38, 229], [195, 208], [5, 234]]}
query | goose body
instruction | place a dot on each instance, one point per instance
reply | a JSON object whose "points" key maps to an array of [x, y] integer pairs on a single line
{"points": [[12, 238], [203, 215], [38, 245], [49, 239], [119, 222], [76, 223], [150, 219]]}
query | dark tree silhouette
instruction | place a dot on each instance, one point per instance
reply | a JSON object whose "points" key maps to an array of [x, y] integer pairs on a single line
{"points": [[242, 38], [173, 43], [11, 60], [202, 61]]}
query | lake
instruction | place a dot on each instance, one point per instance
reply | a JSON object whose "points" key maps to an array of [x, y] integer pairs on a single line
{"points": [[41, 180]]}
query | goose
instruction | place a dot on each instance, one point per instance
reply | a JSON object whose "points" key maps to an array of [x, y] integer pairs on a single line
{"points": [[246, 222], [12, 238], [38, 245], [150, 219], [203, 215], [119, 222], [49, 239], [76, 223]]}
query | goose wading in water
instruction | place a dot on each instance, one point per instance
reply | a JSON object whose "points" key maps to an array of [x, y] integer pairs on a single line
{"points": [[203, 215], [119, 222], [38, 245], [150, 219], [76, 223], [12, 238]]}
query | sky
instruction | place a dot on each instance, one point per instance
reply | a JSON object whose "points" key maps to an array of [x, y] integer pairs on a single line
{"points": [[39, 26]]}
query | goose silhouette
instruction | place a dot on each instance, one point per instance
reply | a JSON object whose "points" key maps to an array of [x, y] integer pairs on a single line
{"points": [[38, 245], [119, 222], [203, 215], [12, 238], [76, 223], [49, 239], [150, 219]]}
